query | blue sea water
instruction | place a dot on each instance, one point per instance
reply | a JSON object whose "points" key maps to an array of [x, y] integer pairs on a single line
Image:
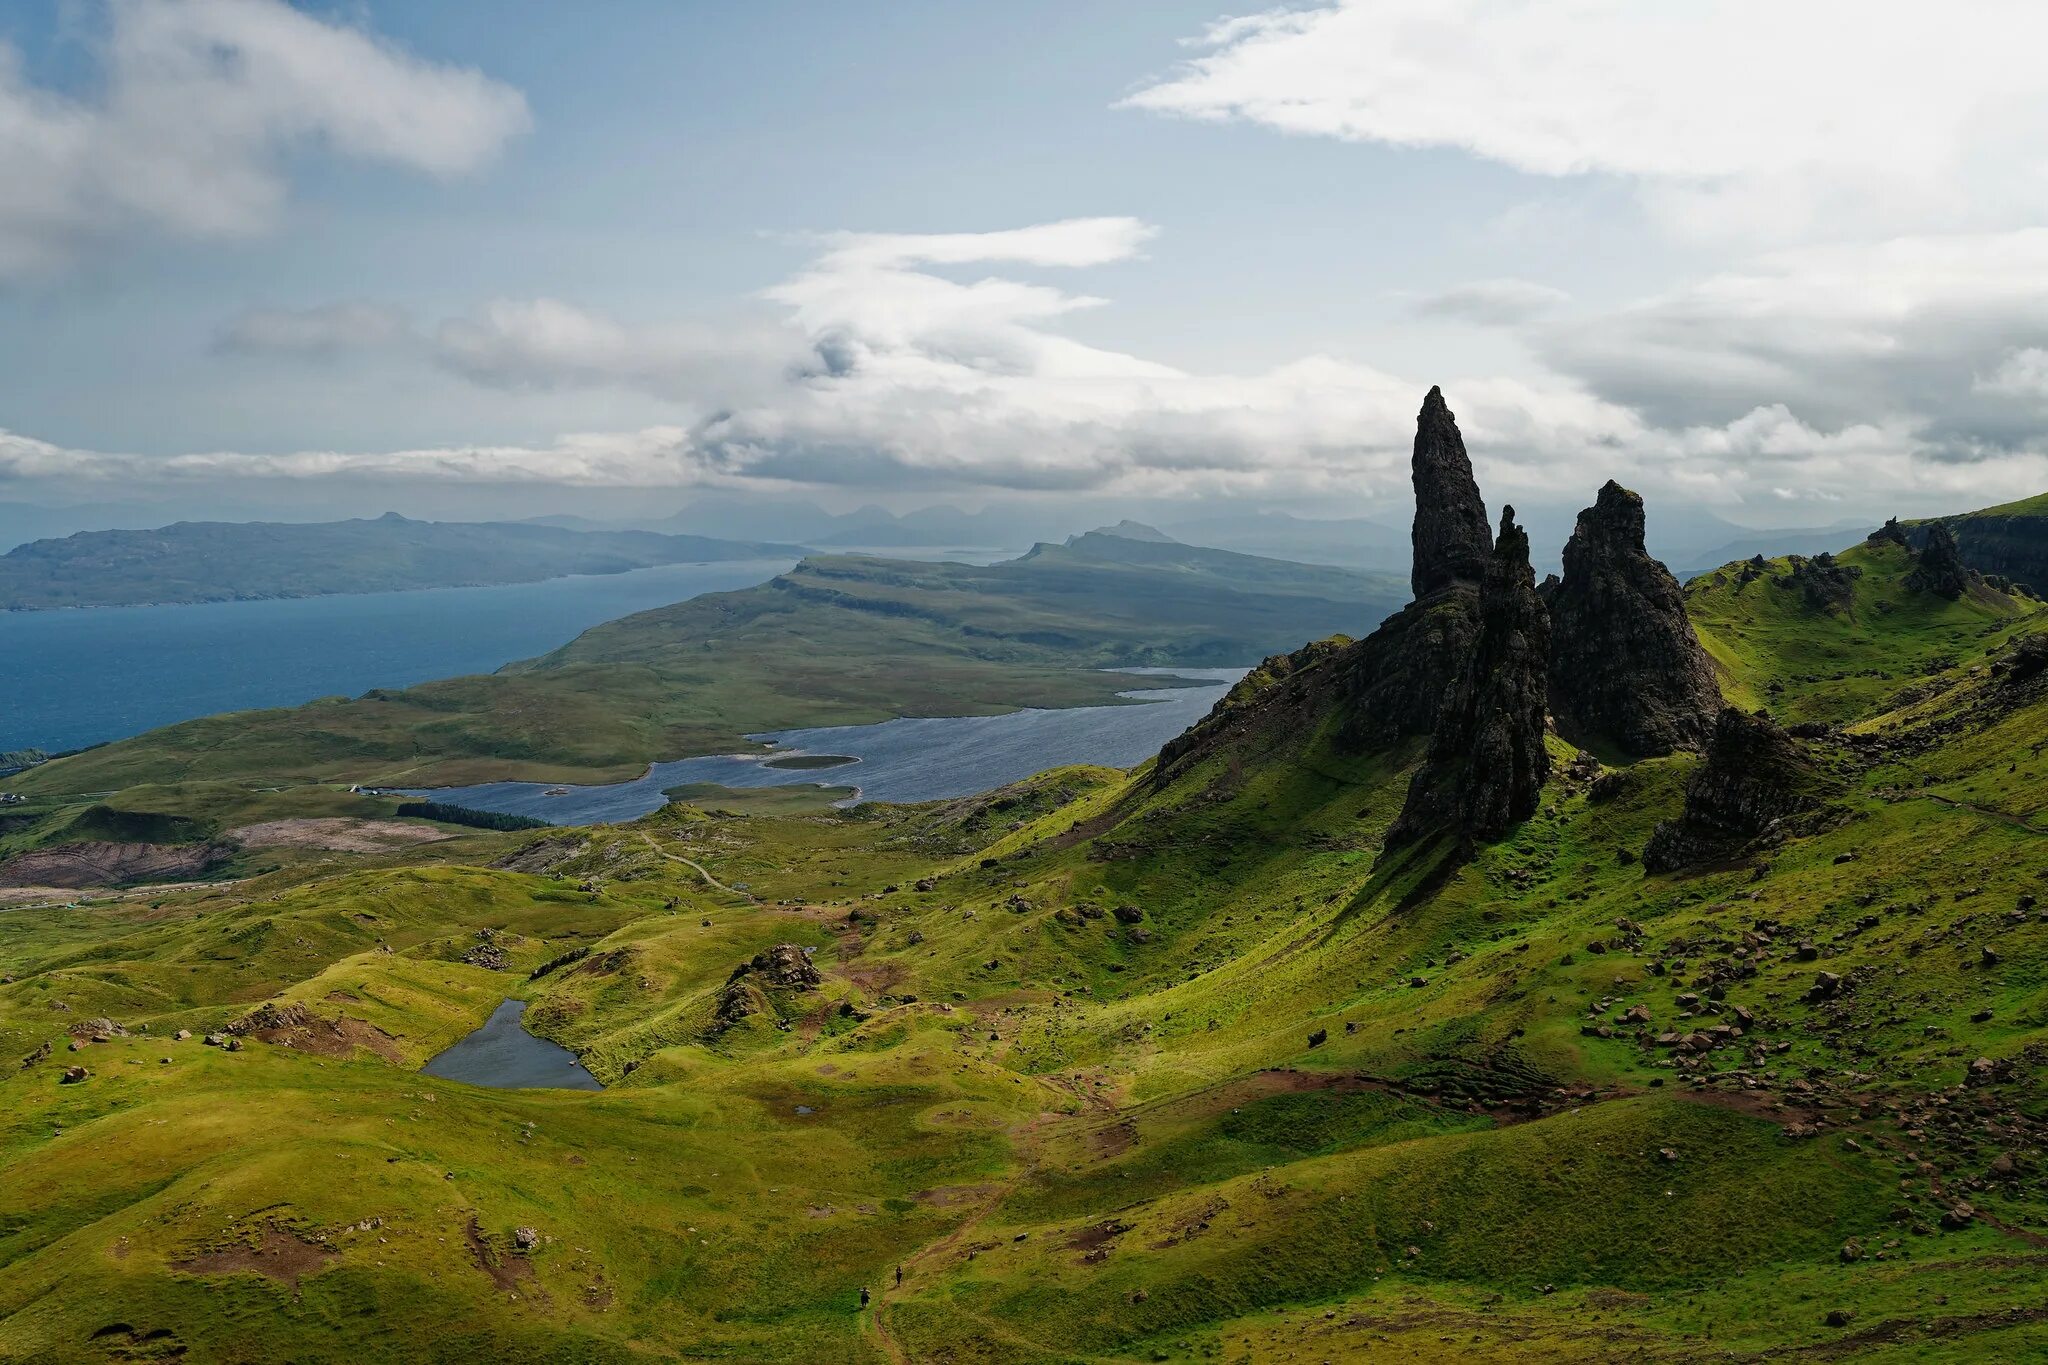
{"points": [[73, 678]]}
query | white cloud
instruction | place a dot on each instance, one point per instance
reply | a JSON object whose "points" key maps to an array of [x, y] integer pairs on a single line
{"points": [[326, 330], [1804, 374], [1896, 331], [1767, 117], [1493, 303], [194, 110], [2021, 374]]}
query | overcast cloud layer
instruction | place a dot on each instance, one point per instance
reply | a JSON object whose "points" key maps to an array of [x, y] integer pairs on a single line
{"points": [[1875, 332]]}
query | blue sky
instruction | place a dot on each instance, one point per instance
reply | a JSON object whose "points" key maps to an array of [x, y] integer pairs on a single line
{"points": [[416, 252]]}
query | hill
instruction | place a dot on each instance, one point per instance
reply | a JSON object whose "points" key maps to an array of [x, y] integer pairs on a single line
{"points": [[1730, 1052], [837, 640], [195, 561]]}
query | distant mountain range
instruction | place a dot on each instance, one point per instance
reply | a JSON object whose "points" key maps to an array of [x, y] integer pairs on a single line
{"points": [[200, 561]]}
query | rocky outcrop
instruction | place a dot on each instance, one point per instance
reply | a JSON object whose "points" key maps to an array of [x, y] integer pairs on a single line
{"points": [[1822, 584], [784, 965], [1891, 533], [1395, 679], [1451, 539], [1755, 775], [745, 993], [1940, 569], [1486, 764], [1626, 669]]}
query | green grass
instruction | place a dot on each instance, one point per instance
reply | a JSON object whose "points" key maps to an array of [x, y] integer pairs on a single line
{"points": [[1085, 1138]]}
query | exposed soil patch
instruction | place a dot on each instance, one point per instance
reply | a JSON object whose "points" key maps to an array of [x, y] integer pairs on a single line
{"points": [[505, 1269], [544, 854], [280, 1255], [339, 834], [295, 1026], [1894, 1331], [76, 866]]}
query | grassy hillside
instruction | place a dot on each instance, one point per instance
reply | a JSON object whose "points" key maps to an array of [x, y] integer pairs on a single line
{"points": [[206, 561], [838, 640], [1113, 1069]]}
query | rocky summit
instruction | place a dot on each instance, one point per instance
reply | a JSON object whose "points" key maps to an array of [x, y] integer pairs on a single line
{"points": [[1397, 678], [1487, 762], [1941, 570], [1627, 671]]}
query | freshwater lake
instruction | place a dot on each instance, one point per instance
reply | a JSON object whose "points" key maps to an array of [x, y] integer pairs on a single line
{"points": [[503, 1054], [82, 676], [924, 759]]}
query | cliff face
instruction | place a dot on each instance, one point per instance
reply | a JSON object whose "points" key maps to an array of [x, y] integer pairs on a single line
{"points": [[1755, 775], [1487, 765], [2010, 542], [1626, 669], [1396, 679]]}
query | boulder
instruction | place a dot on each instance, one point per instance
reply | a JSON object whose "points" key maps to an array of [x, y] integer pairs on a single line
{"points": [[1626, 668], [1755, 774]]}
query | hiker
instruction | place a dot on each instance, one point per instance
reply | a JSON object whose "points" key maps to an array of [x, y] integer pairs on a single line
{"points": [[899, 1277], [863, 1296]]}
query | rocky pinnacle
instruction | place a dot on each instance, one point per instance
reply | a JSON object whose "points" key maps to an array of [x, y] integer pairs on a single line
{"points": [[1451, 537], [1626, 669], [1486, 764]]}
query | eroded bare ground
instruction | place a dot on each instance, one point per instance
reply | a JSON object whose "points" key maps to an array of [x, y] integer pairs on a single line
{"points": [[277, 1254], [339, 834]]}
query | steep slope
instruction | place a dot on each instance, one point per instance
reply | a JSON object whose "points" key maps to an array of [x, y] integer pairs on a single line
{"points": [[2010, 540]]}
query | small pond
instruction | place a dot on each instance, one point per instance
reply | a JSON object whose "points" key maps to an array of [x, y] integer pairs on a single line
{"points": [[502, 1054]]}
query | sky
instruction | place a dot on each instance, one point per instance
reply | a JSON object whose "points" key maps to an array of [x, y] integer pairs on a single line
{"points": [[1786, 262]]}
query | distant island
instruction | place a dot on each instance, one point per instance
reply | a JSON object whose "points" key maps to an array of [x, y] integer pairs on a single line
{"points": [[216, 561]]}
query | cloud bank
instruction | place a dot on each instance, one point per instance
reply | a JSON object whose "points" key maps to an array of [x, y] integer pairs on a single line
{"points": [[196, 104], [1759, 118], [907, 362]]}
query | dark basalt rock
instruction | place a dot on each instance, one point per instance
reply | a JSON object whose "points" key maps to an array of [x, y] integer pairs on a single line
{"points": [[1941, 570], [1824, 584], [1890, 533], [1450, 535], [1755, 775], [1486, 764], [1397, 676], [1626, 668], [784, 965]]}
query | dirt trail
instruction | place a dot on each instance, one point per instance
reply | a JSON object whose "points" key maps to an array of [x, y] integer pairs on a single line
{"points": [[2003, 817], [699, 869]]}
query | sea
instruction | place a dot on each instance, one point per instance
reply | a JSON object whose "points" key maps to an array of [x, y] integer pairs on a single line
{"points": [[78, 677]]}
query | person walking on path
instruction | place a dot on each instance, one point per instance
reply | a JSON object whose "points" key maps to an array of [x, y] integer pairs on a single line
{"points": [[863, 1296]]}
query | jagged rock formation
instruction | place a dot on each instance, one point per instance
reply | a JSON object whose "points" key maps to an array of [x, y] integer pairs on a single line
{"points": [[1754, 776], [1941, 570], [1487, 764], [1824, 584], [1626, 668], [785, 967], [1398, 675], [1890, 533], [1450, 534]]}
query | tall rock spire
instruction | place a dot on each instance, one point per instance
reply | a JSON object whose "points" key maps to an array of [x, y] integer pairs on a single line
{"points": [[1626, 669], [1397, 678], [1486, 764], [1451, 537]]}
